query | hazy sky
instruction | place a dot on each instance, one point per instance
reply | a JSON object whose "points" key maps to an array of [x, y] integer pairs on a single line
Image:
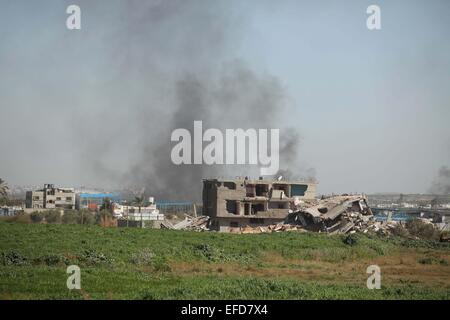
{"points": [[372, 107]]}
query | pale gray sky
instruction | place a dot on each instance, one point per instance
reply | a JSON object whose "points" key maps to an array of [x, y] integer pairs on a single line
{"points": [[83, 107]]}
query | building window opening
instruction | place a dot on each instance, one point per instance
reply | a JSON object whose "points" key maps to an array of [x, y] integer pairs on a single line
{"points": [[231, 206], [246, 209], [257, 207], [230, 185], [262, 190], [250, 190], [298, 189]]}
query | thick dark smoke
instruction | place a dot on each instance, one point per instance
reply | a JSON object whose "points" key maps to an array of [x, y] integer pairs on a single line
{"points": [[289, 157], [235, 98], [441, 184], [175, 62]]}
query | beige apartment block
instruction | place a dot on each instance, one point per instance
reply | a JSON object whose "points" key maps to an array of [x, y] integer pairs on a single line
{"points": [[51, 197]]}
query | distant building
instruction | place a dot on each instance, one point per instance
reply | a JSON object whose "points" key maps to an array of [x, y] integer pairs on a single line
{"points": [[93, 201], [135, 213], [51, 197], [244, 202], [8, 211], [135, 216]]}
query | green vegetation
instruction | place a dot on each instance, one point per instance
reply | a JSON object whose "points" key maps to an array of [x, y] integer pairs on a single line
{"points": [[134, 263], [83, 216], [3, 192]]}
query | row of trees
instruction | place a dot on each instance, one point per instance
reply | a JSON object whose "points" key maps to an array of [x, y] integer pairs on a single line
{"points": [[3, 191], [71, 216]]}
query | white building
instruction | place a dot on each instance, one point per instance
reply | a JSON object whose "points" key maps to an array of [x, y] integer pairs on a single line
{"points": [[134, 213]]}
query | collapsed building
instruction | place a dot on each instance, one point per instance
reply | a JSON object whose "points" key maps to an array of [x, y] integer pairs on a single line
{"points": [[243, 202], [335, 214], [254, 206]]}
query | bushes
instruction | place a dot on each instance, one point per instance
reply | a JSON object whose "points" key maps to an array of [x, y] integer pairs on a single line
{"points": [[37, 217], [104, 218], [146, 257], [13, 258], [52, 260], [86, 217], [422, 230], [143, 257], [161, 264], [400, 231], [70, 217], [92, 258], [433, 260], [416, 229], [350, 240], [212, 253], [53, 216]]}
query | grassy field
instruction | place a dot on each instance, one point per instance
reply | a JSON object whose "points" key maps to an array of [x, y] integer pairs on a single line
{"points": [[128, 263]]}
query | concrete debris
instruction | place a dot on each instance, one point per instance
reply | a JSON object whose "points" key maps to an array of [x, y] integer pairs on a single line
{"points": [[189, 223], [443, 227], [182, 224], [166, 225], [335, 214], [199, 224], [444, 238]]}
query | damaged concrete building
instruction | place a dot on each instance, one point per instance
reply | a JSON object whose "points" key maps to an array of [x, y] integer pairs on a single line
{"points": [[51, 197], [243, 202], [335, 214]]}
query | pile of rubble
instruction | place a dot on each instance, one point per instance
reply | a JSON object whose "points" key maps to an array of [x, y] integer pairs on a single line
{"points": [[335, 214], [189, 223]]}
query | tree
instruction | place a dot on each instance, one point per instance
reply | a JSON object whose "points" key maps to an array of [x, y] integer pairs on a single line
{"points": [[36, 216], [107, 205], [139, 201], [104, 218], [52, 216], [3, 190], [70, 217], [86, 217]]}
